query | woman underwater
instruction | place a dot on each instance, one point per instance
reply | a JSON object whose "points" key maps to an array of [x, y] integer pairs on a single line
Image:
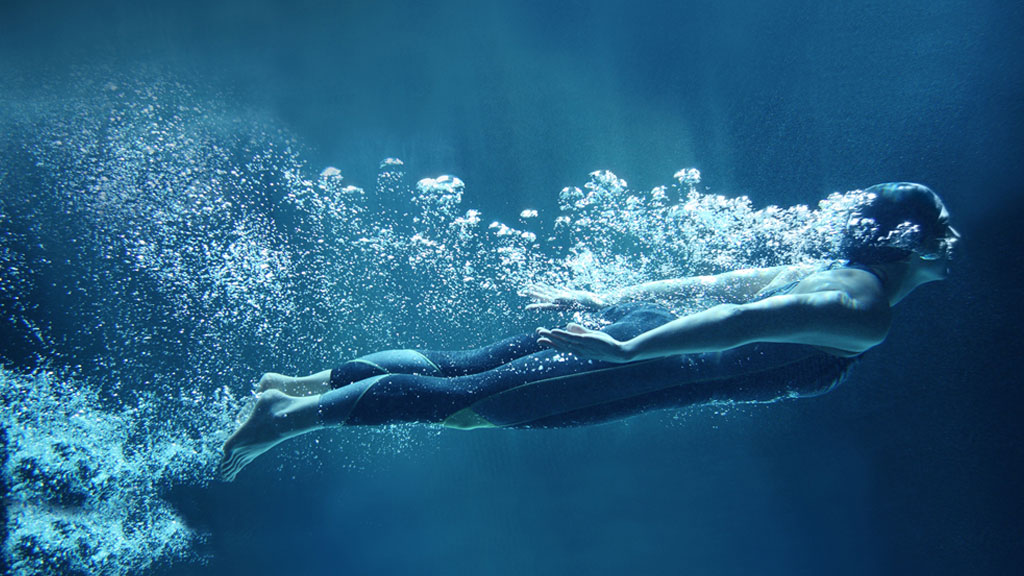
{"points": [[788, 331]]}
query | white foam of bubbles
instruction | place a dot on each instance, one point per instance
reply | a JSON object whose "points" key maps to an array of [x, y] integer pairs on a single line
{"points": [[689, 176], [438, 200], [609, 236], [330, 172], [86, 483]]}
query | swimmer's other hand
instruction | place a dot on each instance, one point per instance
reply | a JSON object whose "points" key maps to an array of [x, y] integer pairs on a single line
{"points": [[550, 298], [585, 343]]}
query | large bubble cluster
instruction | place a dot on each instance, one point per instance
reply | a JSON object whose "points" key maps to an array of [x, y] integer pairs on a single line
{"points": [[608, 236], [84, 482], [158, 252]]}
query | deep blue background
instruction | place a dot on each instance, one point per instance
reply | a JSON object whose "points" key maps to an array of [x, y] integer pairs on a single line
{"points": [[914, 467]]}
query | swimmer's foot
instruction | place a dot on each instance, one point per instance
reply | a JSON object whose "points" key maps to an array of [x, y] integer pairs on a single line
{"points": [[295, 386], [275, 418]]}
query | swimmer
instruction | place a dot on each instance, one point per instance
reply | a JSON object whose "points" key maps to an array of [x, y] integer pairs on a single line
{"points": [[788, 331]]}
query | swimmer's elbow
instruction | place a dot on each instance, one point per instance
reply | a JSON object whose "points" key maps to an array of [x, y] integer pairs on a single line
{"points": [[865, 326], [860, 343], [876, 332]]}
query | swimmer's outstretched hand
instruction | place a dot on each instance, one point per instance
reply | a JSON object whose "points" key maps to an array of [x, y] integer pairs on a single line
{"points": [[550, 298], [584, 343]]}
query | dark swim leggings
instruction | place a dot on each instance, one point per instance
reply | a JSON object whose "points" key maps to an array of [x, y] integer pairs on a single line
{"points": [[517, 383]]}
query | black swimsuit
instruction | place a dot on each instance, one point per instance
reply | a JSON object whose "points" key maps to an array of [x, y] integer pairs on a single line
{"points": [[517, 383]]}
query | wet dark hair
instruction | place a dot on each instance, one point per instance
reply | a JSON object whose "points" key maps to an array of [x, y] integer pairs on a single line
{"points": [[894, 221]]}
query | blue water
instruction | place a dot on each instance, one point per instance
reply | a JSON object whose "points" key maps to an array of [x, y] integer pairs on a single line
{"points": [[171, 228]]}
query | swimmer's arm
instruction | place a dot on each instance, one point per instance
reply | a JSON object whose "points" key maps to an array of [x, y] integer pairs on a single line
{"points": [[735, 286], [829, 319]]}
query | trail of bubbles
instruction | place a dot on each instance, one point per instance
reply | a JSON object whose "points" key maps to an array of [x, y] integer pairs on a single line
{"points": [[84, 483], [608, 236], [188, 249]]}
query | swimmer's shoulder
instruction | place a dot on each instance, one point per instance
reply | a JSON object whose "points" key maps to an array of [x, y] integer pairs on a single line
{"points": [[858, 283], [864, 294]]}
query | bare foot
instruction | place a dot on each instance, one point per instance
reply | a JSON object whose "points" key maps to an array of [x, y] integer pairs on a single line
{"points": [[275, 418]]}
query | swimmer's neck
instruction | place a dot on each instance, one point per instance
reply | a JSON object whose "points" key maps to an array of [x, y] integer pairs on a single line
{"points": [[901, 278]]}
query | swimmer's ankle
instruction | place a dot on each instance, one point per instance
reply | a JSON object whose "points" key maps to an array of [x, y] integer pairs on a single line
{"points": [[301, 414], [296, 386]]}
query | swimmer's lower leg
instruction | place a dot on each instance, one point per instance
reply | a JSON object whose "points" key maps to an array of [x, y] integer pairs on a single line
{"points": [[382, 363], [478, 360], [395, 398], [336, 406], [446, 364]]}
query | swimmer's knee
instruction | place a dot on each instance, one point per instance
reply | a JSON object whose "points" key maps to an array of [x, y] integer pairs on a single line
{"points": [[381, 364]]}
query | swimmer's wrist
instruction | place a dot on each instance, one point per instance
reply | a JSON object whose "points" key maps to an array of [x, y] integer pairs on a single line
{"points": [[628, 350]]}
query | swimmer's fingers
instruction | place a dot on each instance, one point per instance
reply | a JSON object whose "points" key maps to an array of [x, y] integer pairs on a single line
{"points": [[550, 298], [547, 297], [575, 328], [571, 333], [574, 336], [584, 343], [537, 291]]}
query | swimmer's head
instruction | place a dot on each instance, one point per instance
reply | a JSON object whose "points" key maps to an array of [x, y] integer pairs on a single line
{"points": [[896, 222]]}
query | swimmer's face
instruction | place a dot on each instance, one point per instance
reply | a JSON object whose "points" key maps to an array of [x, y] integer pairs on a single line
{"points": [[937, 254]]}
